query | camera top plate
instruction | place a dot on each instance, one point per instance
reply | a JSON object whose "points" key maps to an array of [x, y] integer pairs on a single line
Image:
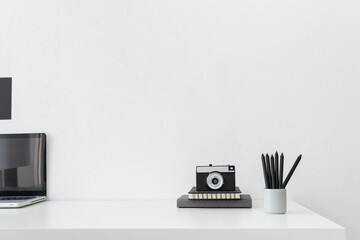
{"points": [[216, 168]]}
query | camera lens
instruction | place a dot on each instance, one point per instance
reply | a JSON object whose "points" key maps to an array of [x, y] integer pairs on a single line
{"points": [[215, 180]]}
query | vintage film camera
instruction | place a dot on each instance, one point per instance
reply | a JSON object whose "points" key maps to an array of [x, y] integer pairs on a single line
{"points": [[215, 178]]}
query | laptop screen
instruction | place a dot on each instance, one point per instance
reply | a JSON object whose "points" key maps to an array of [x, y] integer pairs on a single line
{"points": [[23, 164]]}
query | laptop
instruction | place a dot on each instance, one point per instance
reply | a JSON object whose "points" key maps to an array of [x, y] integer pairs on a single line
{"points": [[22, 169]]}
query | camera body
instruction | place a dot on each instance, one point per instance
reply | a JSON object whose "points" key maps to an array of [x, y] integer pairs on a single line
{"points": [[215, 178]]}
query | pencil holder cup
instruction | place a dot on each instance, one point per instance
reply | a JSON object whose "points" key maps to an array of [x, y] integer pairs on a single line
{"points": [[274, 201]]}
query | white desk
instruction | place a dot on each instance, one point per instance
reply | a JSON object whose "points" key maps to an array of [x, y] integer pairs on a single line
{"points": [[160, 220]]}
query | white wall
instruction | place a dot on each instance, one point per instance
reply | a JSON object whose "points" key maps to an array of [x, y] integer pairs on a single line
{"points": [[134, 94]]}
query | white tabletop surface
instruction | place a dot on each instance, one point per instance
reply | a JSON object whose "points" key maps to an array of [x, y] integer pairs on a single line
{"points": [[157, 215]]}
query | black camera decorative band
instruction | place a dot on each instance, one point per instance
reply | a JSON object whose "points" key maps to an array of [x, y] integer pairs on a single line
{"points": [[215, 178]]}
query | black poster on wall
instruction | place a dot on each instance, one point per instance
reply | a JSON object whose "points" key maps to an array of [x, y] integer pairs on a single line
{"points": [[5, 98]]}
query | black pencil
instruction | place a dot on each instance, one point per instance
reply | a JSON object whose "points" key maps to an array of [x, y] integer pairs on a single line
{"points": [[277, 171], [272, 171], [281, 170], [264, 170], [268, 170], [291, 171]]}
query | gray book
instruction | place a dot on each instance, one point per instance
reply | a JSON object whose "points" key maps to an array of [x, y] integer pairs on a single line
{"points": [[244, 202]]}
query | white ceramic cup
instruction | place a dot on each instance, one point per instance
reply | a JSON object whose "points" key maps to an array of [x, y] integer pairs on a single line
{"points": [[275, 201]]}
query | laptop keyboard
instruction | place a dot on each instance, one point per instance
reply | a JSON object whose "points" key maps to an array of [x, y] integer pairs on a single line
{"points": [[15, 197]]}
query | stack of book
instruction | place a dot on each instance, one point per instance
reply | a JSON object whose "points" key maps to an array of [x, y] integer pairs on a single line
{"points": [[214, 199]]}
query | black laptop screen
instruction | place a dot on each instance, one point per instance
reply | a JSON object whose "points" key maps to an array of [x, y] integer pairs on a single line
{"points": [[22, 164]]}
